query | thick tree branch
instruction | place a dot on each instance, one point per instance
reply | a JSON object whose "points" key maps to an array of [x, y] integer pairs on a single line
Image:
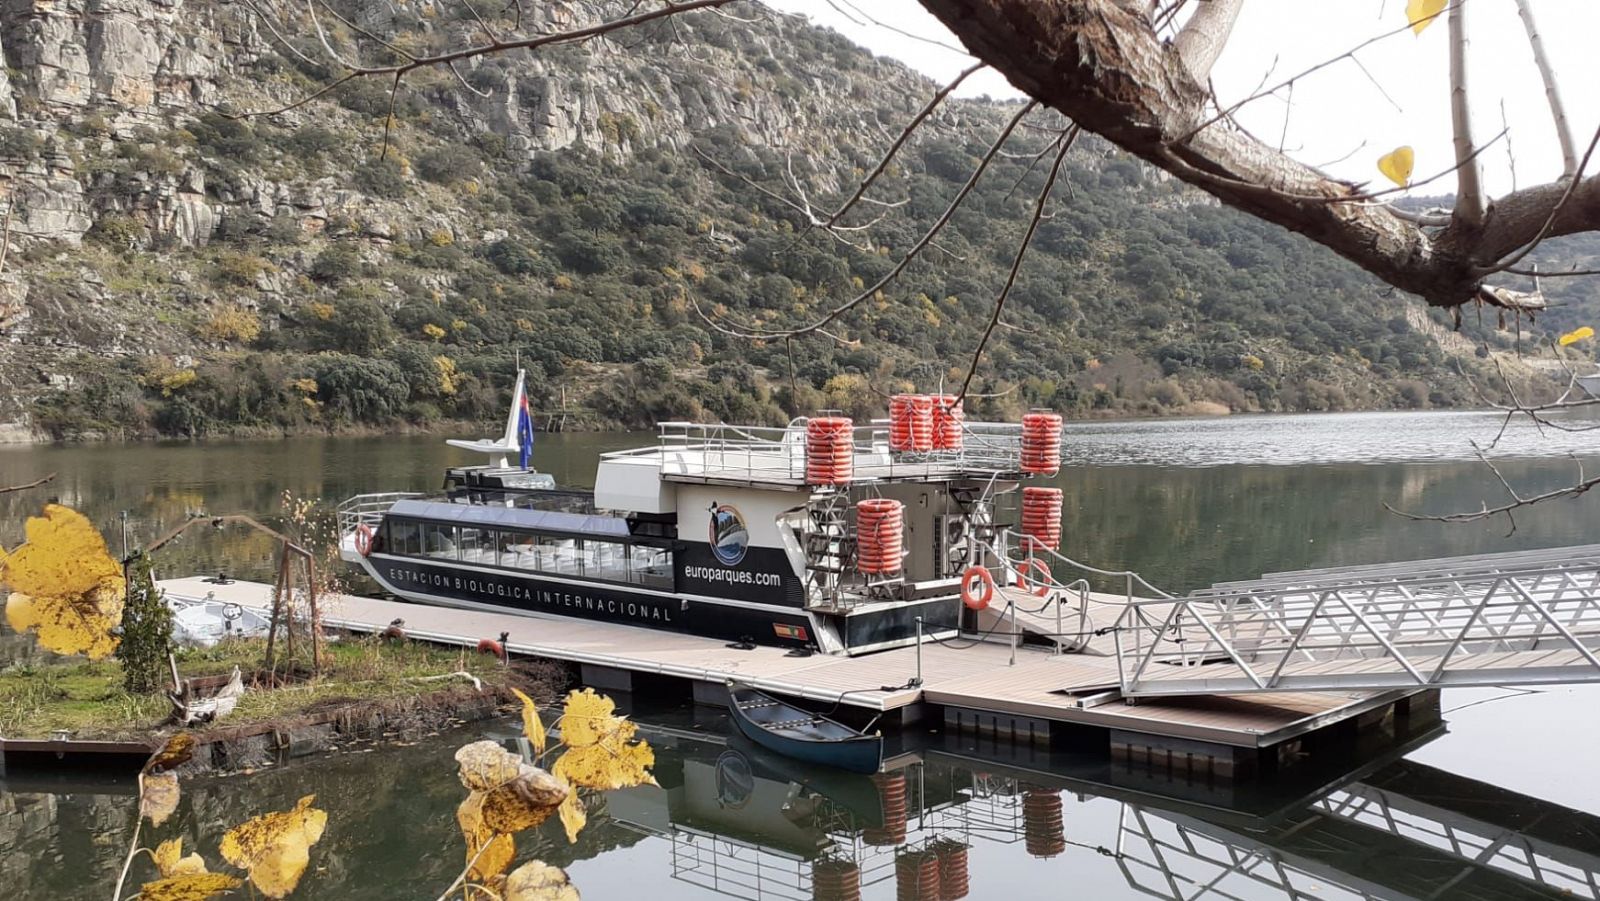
{"points": [[1102, 66], [1202, 38], [1469, 172]]}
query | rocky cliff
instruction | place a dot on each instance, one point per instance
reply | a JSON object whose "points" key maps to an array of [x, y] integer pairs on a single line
{"points": [[175, 268]]}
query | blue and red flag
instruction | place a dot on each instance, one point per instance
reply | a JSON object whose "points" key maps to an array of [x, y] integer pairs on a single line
{"points": [[524, 430]]}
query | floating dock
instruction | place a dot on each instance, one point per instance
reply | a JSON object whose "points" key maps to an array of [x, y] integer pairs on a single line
{"points": [[991, 689]]}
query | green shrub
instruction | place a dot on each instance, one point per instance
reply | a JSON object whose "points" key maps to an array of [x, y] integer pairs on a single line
{"points": [[146, 631]]}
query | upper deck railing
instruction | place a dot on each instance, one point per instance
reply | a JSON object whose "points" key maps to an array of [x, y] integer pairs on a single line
{"points": [[778, 454], [367, 509]]}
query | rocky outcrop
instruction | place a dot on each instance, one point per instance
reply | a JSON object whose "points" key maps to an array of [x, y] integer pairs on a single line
{"points": [[136, 57]]}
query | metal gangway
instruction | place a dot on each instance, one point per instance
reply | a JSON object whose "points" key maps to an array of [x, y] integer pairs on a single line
{"points": [[1519, 618]]}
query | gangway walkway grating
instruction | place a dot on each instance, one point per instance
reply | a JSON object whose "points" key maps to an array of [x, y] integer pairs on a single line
{"points": [[1525, 618]]}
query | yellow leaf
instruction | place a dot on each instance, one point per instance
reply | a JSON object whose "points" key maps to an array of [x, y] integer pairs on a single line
{"points": [[602, 767], [66, 586], [502, 848], [1577, 334], [175, 752], [1422, 13], [188, 887], [158, 796], [531, 726], [485, 765], [589, 719], [523, 802], [538, 881], [170, 860], [276, 847], [1397, 165], [573, 815]]}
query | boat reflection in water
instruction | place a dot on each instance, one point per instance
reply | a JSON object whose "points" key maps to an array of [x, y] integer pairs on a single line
{"points": [[940, 824], [951, 820]]}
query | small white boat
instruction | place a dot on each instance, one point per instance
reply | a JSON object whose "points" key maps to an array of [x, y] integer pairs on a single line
{"points": [[205, 622]]}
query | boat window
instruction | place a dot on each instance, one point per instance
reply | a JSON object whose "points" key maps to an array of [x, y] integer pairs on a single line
{"points": [[650, 566], [518, 551], [439, 541], [476, 545], [606, 560], [404, 537]]}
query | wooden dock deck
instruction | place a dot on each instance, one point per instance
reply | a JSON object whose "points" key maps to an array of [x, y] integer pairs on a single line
{"points": [[977, 677]]}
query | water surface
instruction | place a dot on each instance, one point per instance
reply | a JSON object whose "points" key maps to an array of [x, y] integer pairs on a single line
{"points": [[1503, 805]]}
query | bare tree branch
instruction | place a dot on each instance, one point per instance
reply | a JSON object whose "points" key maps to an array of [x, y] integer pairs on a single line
{"points": [[817, 326], [1016, 262], [1470, 203], [1552, 93], [33, 484], [1104, 67]]}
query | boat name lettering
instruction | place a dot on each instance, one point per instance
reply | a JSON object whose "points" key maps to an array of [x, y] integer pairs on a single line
{"points": [[733, 576], [514, 591]]}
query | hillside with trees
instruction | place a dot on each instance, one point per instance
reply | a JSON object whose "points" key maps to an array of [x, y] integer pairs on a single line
{"points": [[596, 211]]}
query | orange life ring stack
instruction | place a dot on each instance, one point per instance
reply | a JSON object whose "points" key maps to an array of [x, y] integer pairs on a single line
{"points": [[879, 525], [948, 421], [830, 450], [911, 423], [364, 535], [1041, 518], [984, 593], [1041, 443]]}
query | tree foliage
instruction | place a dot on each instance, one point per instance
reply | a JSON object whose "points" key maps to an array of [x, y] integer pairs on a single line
{"points": [[146, 632]]}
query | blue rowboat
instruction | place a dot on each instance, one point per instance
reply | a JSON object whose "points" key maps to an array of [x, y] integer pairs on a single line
{"points": [[801, 734]]}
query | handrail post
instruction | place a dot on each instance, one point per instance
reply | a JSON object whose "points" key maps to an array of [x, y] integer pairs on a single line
{"points": [[919, 651], [1012, 604], [1059, 636]]}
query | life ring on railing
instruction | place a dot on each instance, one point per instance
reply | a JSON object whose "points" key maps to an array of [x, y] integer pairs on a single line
{"points": [[1039, 566], [985, 582], [363, 539]]}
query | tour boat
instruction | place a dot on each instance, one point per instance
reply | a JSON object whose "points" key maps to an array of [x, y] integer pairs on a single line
{"points": [[823, 535]]}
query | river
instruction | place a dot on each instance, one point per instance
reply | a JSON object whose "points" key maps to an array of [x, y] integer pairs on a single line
{"points": [[1186, 503]]}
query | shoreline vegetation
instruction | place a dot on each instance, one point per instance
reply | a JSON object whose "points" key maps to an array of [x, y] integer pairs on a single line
{"points": [[18, 436], [367, 685]]}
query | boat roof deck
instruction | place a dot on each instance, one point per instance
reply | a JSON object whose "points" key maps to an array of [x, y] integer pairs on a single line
{"points": [[1071, 688]]}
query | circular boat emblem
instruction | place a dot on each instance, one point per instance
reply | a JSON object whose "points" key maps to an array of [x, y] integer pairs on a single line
{"points": [[729, 537]]}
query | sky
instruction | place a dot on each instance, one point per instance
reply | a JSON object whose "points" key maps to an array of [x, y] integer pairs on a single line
{"points": [[1340, 119]]}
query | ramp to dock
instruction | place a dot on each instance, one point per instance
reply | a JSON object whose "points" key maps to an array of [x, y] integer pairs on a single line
{"points": [[1522, 618], [989, 677]]}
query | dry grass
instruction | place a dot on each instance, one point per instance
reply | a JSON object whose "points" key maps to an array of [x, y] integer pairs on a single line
{"points": [[87, 698]]}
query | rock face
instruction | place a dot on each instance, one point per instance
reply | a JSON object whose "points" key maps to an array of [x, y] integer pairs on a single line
{"points": [[99, 100]]}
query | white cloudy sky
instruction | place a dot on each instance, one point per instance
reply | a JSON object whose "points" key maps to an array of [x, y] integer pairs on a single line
{"points": [[1337, 109]]}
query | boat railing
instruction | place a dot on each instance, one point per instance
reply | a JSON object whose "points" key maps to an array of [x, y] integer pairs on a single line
{"points": [[368, 509], [1067, 602], [758, 453]]}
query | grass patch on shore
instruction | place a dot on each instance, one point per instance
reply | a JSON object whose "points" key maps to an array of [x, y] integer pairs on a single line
{"points": [[87, 698]]}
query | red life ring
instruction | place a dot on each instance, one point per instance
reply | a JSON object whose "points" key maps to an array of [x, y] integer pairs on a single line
{"points": [[363, 539], [1043, 568], [985, 581]]}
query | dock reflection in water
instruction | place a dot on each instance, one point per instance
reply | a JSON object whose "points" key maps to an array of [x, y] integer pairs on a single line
{"points": [[941, 823]]}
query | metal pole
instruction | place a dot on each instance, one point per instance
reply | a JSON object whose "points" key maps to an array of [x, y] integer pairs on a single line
{"points": [[124, 534], [919, 651], [1059, 637], [1012, 604]]}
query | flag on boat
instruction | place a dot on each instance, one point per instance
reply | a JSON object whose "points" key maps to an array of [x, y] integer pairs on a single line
{"points": [[524, 428]]}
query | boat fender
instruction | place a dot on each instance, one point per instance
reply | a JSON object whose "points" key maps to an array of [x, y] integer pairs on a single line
{"points": [[490, 646], [363, 539], [1042, 588], [985, 593]]}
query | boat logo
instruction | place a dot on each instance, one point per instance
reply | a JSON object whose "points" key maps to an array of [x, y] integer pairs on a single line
{"points": [[729, 537]]}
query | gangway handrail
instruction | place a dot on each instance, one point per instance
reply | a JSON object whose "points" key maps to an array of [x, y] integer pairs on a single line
{"points": [[1429, 570]]}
